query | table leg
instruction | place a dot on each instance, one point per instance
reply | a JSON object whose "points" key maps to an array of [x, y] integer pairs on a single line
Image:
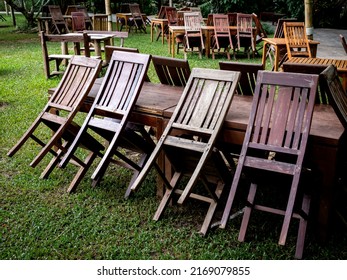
{"points": [[152, 26], [265, 48], [277, 58]]}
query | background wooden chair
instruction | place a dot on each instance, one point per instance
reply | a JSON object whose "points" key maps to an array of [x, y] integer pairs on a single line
{"points": [[59, 24], [136, 20], [221, 38], [100, 22], [244, 36], [248, 78], [193, 34], [274, 147], [171, 71], [189, 141], [296, 40], [109, 118], [260, 33], [67, 99], [87, 19], [321, 97], [173, 18], [279, 33], [343, 42], [78, 21]]}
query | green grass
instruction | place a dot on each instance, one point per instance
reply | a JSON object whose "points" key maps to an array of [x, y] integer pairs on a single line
{"points": [[39, 220]]}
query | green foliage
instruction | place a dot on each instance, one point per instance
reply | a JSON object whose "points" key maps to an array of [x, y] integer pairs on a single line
{"points": [[39, 220]]}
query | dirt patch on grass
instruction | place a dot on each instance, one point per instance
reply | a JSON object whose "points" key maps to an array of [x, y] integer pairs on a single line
{"points": [[3, 105]]}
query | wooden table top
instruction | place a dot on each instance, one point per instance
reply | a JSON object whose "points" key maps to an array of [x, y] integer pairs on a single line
{"points": [[341, 64], [282, 41]]}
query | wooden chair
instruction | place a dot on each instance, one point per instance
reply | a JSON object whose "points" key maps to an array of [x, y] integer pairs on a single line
{"points": [[296, 40], [343, 42], [68, 98], [279, 33], [159, 28], [100, 22], [248, 78], [171, 71], [77, 39], [274, 147], [137, 18], [189, 141], [59, 24], [244, 36], [87, 19], [78, 21], [193, 37], [172, 16], [109, 119], [221, 37], [260, 33], [321, 97]]}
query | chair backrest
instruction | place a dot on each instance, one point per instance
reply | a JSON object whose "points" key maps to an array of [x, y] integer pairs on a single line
{"points": [[336, 94], [221, 24], [171, 15], [135, 10], [192, 22], [249, 72], [100, 22], [87, 19], [70, 9], [281, 113], [343, 42], [279, 32], [110, 49], [162, 12], [58, 20], [122, 84], [171, 71], [321, 97], [244, 27], [296, 40], [75, 83], [78, 21]]}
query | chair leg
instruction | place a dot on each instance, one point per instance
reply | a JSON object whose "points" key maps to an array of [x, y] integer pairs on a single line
{"points": [[302, 226], [247, 212], [141, 163]]}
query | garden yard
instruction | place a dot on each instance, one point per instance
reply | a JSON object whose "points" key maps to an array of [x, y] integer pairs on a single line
{"points": [[39, 220]]}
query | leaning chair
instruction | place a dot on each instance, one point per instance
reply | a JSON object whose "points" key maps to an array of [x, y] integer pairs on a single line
{"points": [[222, 37], [67, 99], [109, 118], [296, 40], [171, 71], [274, 147], [189, 141]]}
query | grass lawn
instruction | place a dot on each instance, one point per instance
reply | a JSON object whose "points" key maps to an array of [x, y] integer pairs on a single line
{"points": [[39, 220]]}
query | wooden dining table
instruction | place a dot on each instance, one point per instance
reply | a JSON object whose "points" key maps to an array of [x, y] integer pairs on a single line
{"points": [[155, 106]]}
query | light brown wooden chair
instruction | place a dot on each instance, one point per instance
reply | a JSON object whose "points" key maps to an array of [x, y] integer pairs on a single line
{"points": [[296, 39], [59, 24], [189, 141], [100, 22], [171, 71], [193, 34], [274, 147], [244, 37], [109, 119], [67, 99], [222, 37]]}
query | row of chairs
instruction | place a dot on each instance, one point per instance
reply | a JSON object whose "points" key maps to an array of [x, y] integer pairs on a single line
{"points": [[275, 138]]}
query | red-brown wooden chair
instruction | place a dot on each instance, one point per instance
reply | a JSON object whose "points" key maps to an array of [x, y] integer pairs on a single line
{"points": [[59, 24], [274, 147], [244, 37], [189, 141], [67, 99], [109, 118]]}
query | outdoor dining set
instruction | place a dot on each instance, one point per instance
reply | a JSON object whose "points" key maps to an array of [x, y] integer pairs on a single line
{"points": [[207, 132]]}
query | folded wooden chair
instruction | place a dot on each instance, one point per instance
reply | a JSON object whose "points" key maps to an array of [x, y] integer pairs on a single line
{"points": [[274, 147], [189, 141], [109, 118], [67, 99], [58, 21], [137, 20], [171, 71]]}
